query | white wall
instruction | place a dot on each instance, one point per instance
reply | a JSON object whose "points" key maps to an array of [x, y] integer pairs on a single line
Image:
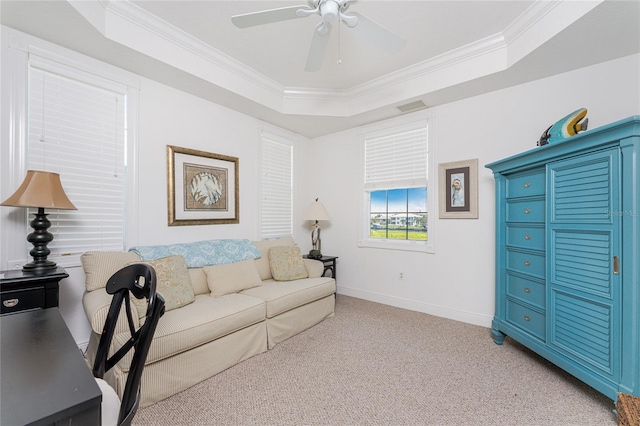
{"points": [[458, 280], [455, 282], [166, 117]]}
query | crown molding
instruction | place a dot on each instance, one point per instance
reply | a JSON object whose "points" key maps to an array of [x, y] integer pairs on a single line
{"points": [[527, 20], [102, 18], [540, 22], [140, 17]]}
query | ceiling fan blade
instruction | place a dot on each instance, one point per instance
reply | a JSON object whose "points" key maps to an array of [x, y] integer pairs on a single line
{"points": [[318, 48], [378, 35], [347, 3], [267, 16]]}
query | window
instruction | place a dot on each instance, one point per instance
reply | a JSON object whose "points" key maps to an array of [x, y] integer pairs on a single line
{"points": [[77, 128], [395, 188], [399, 214], [276, 186], [75, 116]]}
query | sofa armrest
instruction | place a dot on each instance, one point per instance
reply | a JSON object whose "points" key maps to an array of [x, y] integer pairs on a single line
{"points": [[96, 306], [315, 268]]}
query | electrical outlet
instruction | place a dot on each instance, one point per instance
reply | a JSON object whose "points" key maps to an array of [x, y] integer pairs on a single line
{"points": [[401, 278]]}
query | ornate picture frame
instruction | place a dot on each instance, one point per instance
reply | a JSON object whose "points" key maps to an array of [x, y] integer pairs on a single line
{"points": [[458, 189], [203, 187]]}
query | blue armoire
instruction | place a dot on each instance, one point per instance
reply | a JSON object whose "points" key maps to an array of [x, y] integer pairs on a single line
{"points": [[568, 254]]}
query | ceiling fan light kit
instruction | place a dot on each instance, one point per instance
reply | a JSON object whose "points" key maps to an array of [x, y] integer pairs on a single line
{"points": [[328, 10]]}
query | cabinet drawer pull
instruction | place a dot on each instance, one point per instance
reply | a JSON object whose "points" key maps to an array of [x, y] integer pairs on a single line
{"points": [[526, 318], [527, 184], [527, 211], [527, 263], [527, 236], [10, 303], [616, 265], [527, 290]]}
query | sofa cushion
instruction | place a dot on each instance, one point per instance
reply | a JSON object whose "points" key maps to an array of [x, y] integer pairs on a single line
{"points": [[206, 319], [284, 296], [232, 277], [99, 266], [262, 264], [172, 282], [198, 281], [286, 263], [315, 268]]}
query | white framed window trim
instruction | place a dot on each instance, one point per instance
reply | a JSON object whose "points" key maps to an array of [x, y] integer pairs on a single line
{"points": [[23, 52], [276, 195], [397, 126]]}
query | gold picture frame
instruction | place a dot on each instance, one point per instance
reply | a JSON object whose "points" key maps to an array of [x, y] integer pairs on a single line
{"points": [[203, 187], [458, 189]]}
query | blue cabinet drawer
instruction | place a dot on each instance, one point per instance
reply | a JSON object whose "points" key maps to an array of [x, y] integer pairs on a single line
{"points": [[526, 319], [525, 237], [529, 291], [530, 211], [526, 184], [527, 263]]}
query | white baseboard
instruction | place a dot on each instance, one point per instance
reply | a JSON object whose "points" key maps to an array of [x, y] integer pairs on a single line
{"points": [[412, 305]]}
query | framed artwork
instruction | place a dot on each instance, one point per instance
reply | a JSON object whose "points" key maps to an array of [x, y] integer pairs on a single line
{"points": [[458, 189], [202, 187]]}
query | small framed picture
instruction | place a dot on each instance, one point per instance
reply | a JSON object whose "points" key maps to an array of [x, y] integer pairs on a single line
{"points": [[458, 189], [202, 187]]}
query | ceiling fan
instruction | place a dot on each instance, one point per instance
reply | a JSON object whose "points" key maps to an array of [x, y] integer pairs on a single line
{"points": [[328, 10]]}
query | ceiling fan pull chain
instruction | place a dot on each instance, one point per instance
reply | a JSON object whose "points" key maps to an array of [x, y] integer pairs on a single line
{"points": [[339, 40]]}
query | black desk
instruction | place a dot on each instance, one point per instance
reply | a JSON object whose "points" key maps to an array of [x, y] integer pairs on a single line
{"points": [[43, 376], [21, 290]]}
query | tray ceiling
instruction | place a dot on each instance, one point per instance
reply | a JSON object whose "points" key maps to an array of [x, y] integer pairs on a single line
{"points": [[454, 49]]}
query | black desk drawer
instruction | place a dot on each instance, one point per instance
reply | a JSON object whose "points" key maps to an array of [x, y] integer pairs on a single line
{"points": [[23, 299]]}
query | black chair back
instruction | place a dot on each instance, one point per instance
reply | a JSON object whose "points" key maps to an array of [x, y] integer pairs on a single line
{"points": [[138, 280]]}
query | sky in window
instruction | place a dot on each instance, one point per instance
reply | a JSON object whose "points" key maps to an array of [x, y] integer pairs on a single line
{"points": [[417, 198]]}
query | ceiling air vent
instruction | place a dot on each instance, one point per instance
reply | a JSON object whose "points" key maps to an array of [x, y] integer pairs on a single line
{"points": [[411, 106]]}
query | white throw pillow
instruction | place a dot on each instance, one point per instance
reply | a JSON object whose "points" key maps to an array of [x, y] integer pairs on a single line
{"points": [[232, 277]]}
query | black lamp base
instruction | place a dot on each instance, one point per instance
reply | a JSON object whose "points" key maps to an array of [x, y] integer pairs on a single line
{"points": [[40, 237], [315, 254], [39, 267]]}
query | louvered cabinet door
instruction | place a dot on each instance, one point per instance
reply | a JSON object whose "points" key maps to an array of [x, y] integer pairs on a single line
{"points": [[584, 249]]}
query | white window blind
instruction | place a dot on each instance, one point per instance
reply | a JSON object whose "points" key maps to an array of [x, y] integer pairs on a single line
{"points": [[276, 189], [77, 128], [396, 160]]}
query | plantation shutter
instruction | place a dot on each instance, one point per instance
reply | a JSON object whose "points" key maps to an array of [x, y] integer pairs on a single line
{"points": [[276, 188], [77, 127], [396, 160]]}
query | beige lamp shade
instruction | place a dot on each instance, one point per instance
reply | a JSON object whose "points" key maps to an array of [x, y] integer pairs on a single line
{"points": [[40, 189], [316, 211]]}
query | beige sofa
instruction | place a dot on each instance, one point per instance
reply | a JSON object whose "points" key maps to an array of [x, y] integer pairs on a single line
{"points": [[215, 331]]}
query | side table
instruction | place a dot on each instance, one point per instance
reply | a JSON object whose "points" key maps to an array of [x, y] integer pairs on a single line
{"points": [[329, 264], [21, 291]]}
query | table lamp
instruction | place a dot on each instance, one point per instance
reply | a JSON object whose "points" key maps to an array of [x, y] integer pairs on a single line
{"points": [[316, 212], [40, 190]]}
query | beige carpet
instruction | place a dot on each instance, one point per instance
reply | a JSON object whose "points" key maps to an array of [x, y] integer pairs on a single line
{"points": [[373, 364]]}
